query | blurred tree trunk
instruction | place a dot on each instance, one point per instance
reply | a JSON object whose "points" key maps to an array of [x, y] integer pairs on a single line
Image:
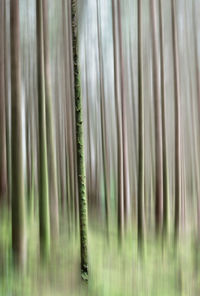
{"points": [[7, 106], [89, 157], [70, 114], [164, 137], [177, 121], [158, 126], [3, 162], [119, 129], [51, 149], [196, 57], [43, 171], [140, 132], [68, 126], [80, 145], [124, 123], [18, 198], [103, 121]]}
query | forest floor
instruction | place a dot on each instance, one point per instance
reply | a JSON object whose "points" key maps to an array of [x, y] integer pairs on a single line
{"points": [[159, 270]]}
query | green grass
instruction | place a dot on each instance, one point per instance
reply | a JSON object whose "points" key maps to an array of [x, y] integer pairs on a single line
{"points": [[112, 271]]}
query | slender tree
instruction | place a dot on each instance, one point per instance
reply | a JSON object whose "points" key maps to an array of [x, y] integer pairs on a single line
{"points": [[53, 186], [3, 162], [18, 198], [123, 116], [158, 126], [140, 131], [164, 137], [43, 173], [103, 121], [120, 182], [177, 120], [80, 145], [196, 57]]}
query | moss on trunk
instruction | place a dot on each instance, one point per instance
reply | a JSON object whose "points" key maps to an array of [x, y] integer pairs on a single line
{"points": [[80, 146]]}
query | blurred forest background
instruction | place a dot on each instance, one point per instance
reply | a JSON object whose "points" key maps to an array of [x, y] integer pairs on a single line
{"points": [[99, 147]]}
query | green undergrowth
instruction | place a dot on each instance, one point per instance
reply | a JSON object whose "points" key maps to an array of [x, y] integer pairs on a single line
{"points": [[113, 271]]}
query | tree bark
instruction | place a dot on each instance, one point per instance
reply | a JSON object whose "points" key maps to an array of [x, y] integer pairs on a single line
{"points": [[80, 145]]}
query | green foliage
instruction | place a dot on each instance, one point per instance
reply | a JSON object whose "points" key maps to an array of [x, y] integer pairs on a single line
{"points": [[113, 271]]}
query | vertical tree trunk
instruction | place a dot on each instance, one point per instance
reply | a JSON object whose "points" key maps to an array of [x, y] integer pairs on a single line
{"points": [[164, 137], [18, 200], [43, 172], [89, 157], [3, 162], [140, 132], [80, 145], [194, 23], [123, 115], [177, 121], [53, 185], [158, 126], [119, 130], [103, 121]]}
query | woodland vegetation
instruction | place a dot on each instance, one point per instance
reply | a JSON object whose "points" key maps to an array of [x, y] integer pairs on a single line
{"points": [[99, 147]]}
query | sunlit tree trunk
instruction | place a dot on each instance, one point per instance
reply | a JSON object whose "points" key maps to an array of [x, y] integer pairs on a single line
{"points": [[80, 146], [177, 121], [158, 126], [3, 162], [18, 198], [43, 172]]}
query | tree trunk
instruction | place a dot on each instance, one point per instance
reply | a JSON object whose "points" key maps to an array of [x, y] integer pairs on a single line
{"points": [[43, 172], [177, 122], [51, 150], [18, 198], [80, 146], [124, 124], [103, 122], [158, 127], [164, 137], [119, 131], [3, 162], [140, 133]]}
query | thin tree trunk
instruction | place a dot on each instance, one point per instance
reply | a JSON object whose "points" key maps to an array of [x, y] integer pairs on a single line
{"points": [[80, 146], [18, 198], [158, 126], [53, 185], [140, 132], [43, 172], [164, 137], [123, 115], [103, 122], [177, 122], [3, 162], [119, 130]]}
